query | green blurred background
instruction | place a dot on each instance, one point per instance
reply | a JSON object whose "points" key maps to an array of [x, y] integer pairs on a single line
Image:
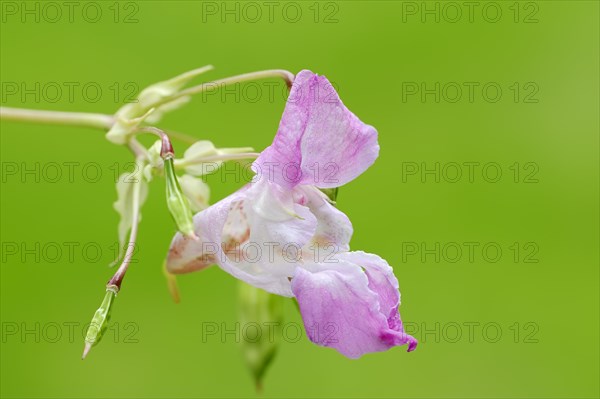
{"points": [[528, 319]]}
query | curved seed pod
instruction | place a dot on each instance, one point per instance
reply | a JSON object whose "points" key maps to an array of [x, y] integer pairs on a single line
{"points": [[177, 202]]}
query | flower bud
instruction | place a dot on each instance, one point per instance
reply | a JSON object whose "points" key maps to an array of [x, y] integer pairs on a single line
{"points": [[125, 206], [202, 157], [331, 193], [264, 311], [151, 104], [99, 322], [196, 191], [177, 202], [155, 161], [126, 121], [166, 108], [157, 93]]}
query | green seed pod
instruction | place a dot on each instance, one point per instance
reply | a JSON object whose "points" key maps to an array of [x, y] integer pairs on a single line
{"points": [[99, 322], [177, 202]]}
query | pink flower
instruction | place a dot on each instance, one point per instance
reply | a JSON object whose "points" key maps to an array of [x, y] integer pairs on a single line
{"points": [[281, 233]]}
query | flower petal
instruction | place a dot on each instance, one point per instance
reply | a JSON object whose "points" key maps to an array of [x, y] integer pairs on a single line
{"points": [[381, 278], [253, 239], [340, 308], [383, 281], [188, 255], [319, 141], [334, 229]]}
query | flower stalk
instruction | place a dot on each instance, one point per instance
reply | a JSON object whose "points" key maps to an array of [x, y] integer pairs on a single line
{"points": [[117, 278], [102, 315], [287, 76]]}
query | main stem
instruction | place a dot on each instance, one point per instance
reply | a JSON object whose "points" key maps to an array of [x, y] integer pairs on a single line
{"points": [[82, 119]]}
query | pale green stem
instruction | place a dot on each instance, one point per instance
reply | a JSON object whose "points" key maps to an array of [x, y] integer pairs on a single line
{"points": [[103, 121], [83, 119]]}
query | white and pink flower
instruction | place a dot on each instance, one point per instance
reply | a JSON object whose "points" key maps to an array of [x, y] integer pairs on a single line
{"points": [[282, 234]]}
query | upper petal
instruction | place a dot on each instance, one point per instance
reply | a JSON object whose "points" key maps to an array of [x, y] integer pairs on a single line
{"points": [[319, 141]]}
